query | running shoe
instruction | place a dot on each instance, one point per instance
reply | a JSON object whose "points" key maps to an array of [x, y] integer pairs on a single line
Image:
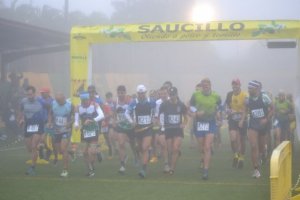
{"points": [[235, 160], [30, 171], [205, 174], [142, 174], [256, 174], [122, 170], [171, 172], [64, 174], [90, 174], [166, 168]]}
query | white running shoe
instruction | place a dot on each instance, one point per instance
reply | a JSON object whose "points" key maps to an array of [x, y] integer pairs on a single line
{"points": [[122, 170], [64, 174], [256, 174], [167, 168]]}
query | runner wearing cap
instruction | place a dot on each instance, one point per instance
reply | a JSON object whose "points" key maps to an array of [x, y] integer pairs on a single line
{"points": [[204, 106], [89, 113], [140, 113], [175, 119], [235, 106], [259, 107]]}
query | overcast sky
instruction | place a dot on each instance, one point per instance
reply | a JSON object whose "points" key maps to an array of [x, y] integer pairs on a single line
{"points": [[224, 9]]}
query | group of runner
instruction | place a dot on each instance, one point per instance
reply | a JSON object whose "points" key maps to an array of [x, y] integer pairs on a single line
{"points": [[156, 124]]}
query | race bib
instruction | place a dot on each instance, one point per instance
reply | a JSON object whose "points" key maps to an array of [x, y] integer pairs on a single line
{"points": [[236, 116], [32, 128], [202, 126], [174, 119], [144, 120], [258, 113], [89, 134], [61, 121]]}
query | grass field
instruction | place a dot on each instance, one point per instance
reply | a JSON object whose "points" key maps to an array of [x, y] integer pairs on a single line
{"points": [[224, 181]]}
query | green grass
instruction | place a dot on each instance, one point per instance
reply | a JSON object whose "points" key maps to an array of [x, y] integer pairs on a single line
{"points": [[224, 181]]}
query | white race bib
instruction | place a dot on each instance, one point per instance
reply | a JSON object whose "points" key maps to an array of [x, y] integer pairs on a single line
{"points": [[144, 120], [88, 134], [258, 113], [61, 121], [202, 126], [174, 119], [32, 128]]}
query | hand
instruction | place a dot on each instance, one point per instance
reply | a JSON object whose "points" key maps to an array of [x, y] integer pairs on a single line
{"points": [[21, 122], [49, 125]]}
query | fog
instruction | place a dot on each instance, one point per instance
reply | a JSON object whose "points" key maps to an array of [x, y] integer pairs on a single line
{"points": [[183, 63], [186, 63]]}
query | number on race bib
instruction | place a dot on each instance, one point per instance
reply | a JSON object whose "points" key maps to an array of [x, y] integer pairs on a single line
{"points": [[32, 128], [89, 134], [144, 120], [174, 119], [202, 126], [61, 121], [258, 113]]}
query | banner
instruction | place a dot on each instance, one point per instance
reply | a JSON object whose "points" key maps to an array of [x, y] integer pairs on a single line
{"points": [[227, 30]]}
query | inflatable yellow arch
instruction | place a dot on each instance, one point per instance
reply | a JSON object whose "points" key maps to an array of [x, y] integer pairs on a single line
{"points": [[83, 37]]}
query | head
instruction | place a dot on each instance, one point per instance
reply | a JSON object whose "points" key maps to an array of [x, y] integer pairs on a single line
{"points": [[45, 92], [141, 92], [30, 93], [254, 88], [92, 91], [168, 84], [108, 96], [206, 86], [236, 86], [121, 91], [173, 93], [163, 93], [85, 98], [153, 94], [198, 87], [60, 98]]}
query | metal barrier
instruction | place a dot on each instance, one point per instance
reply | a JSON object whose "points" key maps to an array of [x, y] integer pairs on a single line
{"points": [[281, 172]]}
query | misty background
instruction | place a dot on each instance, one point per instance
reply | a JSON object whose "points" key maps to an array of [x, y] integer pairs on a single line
{"points": [[183, 63]]}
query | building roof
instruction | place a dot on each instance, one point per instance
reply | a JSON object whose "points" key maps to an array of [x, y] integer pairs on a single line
{"points": [[19, 39]]}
